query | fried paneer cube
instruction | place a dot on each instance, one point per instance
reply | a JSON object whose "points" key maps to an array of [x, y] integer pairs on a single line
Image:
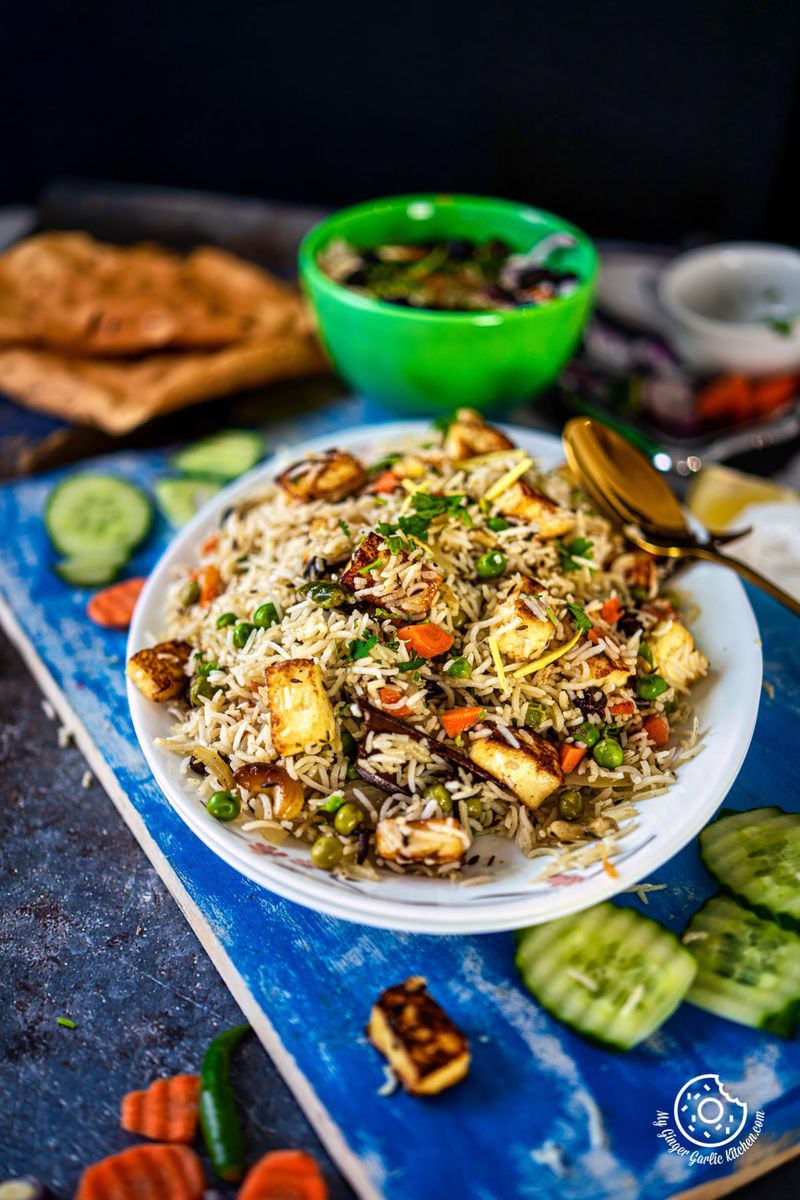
{"points": [[675, 657], [300, 712], [606, 673], [526, 504], [532, 632], [374, 552], [436, 840], [157, 671], [426, 1051], [332, 476], [530, 770], [469, 435]]}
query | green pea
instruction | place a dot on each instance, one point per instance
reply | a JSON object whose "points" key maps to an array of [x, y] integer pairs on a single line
{"points": [[475, 808], [650, 686], [498, 524], [326, 852], [265, 616], [570, 804], [225, 619], [534, 714], [439, 793], [189, 593], [348, 818], [224, 806], [608, 753], [491, 564], [324, 592], [459, 669], [241, 634], [588, 734], [199, 690]]}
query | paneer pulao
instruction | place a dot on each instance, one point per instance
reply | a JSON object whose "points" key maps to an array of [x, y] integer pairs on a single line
{"points": [[406, 651]]}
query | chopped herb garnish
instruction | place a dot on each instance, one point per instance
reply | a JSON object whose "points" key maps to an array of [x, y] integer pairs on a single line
{"points": [[383, 464], [360, 647], [583, 623], [67, 1022], [345, 528], [373, 566], [415, 526], [393, 645], [432, 505], [578, 548], [205, 668], [442, 424], [781, 325], [413, 664], [383, 612], [551, 616]]}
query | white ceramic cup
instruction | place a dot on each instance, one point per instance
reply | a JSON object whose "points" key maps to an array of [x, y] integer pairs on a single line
{"points": [[734, 307]]}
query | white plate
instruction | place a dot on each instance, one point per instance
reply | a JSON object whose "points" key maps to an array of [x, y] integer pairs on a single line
{"points": [[726, 702]]}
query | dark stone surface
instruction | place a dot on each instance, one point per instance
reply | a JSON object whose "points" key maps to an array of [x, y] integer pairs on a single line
{"points": [[88, 931]]}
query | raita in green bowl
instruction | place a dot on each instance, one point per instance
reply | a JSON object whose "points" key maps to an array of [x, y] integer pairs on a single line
{"points": [[426, 303]]}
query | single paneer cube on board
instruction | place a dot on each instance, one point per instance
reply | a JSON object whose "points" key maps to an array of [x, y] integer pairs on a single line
{"points": [[426, 1051]]}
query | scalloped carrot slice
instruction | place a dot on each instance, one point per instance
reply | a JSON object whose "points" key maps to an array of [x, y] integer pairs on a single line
{"points": [[154, 1172], [112, 607], [284, 1175], [166, 1111]]}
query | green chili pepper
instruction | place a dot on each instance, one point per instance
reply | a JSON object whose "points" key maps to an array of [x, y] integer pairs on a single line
{"points": [[219, 1115]]}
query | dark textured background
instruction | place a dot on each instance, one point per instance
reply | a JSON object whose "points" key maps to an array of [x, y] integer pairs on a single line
{"points": [[656, 121], [75, 889]]}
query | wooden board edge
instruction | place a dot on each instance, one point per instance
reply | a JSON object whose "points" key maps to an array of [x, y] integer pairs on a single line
{"points": [[738, 1179], [327, 1131]]}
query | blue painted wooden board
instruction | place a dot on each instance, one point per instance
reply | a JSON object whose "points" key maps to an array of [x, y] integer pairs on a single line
{"points": [[307, 981]]}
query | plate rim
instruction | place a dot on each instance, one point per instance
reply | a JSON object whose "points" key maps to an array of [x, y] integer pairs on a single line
{"points": [[404, 915]]}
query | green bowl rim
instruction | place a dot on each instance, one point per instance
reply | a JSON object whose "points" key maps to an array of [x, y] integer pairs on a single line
{"points": [[322, 232]]}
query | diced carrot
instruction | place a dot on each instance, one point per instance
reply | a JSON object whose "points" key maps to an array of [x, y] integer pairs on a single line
{"points": [[657, 729], [570, 756], [622, 708], [113, 606], [152, 1172], [386, 482], [769, 394], [426, 639], [284, 1175], [458, 720], [210, 543], [210, 582], [593, 634], [166, 1111], [391, 698], [611, 610]]}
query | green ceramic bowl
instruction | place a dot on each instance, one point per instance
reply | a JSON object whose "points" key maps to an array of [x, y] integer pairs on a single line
{"points": [[418, 361]]}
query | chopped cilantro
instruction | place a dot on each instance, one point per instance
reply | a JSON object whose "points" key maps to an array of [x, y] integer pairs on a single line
{"points": [[374, 565], [383, 464], [579, 547], [413, 664], [551, 616], [583, 623], [382, 612], [345, 528], [415, 526], [360, 647], [431, 505], [205, 668]]}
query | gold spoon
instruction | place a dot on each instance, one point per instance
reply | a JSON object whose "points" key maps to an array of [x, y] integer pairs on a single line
{"points": [[625, 487]]}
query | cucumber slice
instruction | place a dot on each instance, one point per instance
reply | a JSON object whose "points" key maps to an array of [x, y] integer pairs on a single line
{"points": [[224, 455], [756, 856], [179, 499], [96, 515], [609, 973], [748, 969], [89, 570]]}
